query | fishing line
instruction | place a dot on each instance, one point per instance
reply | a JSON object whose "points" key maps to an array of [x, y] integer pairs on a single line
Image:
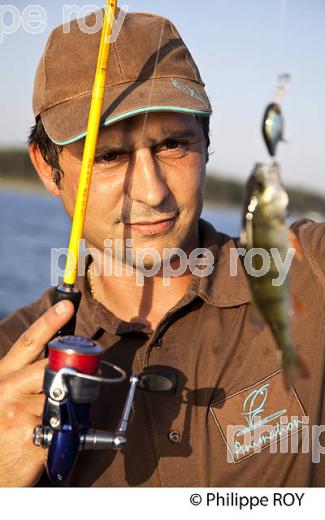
{"points": [[282, 26], [153, 77], [126, 208]]}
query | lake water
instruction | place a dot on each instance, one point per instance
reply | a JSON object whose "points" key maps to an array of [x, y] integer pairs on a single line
{"points": [[32, 224]]}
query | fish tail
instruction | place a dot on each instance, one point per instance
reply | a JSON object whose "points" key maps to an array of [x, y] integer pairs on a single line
{"points": [[293, 368]]}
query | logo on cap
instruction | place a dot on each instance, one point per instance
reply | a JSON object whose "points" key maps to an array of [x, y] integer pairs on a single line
{"points": [[190, 91]]}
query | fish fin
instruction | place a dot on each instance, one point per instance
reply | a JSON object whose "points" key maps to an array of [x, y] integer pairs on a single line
{"points": [[295, 243], [299, 308], [293, 370]]}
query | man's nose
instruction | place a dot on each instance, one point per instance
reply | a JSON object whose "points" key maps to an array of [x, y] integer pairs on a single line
{"points": [[147, 185]]}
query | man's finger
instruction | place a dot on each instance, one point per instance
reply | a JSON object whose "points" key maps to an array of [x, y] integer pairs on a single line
{"points": [[32, 342], [27, 381]]}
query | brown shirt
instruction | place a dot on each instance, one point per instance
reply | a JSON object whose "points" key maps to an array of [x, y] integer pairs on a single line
{"points": [[228, 371]]}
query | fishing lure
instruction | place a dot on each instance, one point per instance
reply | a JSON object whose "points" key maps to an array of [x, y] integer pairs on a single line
{"points": [[273, 121]]}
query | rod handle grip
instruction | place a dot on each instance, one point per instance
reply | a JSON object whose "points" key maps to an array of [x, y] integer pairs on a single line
{"points": [[61, 293]]}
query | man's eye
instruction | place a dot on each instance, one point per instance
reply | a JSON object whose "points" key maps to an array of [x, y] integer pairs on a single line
{"points": [[110, 157], [172, 146]]}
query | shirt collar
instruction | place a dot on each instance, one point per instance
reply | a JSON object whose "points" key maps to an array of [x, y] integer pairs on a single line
{"points": [[219, 288], [93, 316]]}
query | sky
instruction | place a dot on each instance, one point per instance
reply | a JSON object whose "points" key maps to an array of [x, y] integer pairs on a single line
{"points": [[240, 46]]}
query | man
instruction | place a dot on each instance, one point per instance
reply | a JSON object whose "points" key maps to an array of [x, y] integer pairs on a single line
{"points": [[147, 187]]}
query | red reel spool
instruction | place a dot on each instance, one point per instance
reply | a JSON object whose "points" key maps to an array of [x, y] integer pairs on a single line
{"points": [[75, 352]]}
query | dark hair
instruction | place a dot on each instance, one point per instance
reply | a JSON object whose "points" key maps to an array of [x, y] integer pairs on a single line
{"points": [[51, 151]]}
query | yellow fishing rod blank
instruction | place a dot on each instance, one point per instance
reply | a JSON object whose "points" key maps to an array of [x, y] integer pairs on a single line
{"points": [[71, 268]]}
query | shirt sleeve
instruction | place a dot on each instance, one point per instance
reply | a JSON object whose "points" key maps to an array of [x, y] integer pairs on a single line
{"points": [[312, 239]]}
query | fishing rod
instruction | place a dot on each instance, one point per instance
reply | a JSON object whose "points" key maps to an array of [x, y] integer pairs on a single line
{"points": [[73, 376], [67, 290]]}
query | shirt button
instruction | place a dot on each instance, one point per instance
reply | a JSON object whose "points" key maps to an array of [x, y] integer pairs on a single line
{"points": [[175, 436], [157, 343]]}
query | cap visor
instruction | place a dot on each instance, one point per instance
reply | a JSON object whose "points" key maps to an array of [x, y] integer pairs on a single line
{"points": [[67, 122]]}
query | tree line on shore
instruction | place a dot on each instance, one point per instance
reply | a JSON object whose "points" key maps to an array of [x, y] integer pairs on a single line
{"points": [[16, 166]]}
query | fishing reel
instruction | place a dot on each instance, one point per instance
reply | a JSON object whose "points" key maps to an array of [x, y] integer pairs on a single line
{"points": [[71, 384]]}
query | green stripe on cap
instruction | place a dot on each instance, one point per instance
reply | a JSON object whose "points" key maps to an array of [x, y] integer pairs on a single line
{"points": [[192, 111]]}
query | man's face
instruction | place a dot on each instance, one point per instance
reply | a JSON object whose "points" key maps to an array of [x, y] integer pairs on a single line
{"points": [[147, 182]]}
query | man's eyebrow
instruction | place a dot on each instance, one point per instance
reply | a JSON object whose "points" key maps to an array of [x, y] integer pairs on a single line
{"points": [[104, 148], [173, 134], [180, 133]]}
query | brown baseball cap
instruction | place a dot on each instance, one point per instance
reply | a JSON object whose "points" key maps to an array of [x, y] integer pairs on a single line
{"points": [[150, 69]]}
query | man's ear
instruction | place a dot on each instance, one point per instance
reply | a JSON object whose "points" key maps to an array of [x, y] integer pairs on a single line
{"points": [[44, 170]]}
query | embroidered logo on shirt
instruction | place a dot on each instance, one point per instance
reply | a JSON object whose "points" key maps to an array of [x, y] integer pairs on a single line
{"points": [[257, 417]]}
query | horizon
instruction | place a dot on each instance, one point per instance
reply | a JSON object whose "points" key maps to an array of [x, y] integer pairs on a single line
{"points": [[240, 57]]}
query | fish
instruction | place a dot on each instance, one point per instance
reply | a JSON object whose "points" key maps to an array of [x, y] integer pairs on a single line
{"points": [[264, 225]]}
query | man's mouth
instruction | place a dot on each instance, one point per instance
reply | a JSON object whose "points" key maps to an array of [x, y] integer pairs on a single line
{"points": [[152, 227]]}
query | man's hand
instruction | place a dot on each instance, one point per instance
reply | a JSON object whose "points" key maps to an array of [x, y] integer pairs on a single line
{"points": [[22, 401]]}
